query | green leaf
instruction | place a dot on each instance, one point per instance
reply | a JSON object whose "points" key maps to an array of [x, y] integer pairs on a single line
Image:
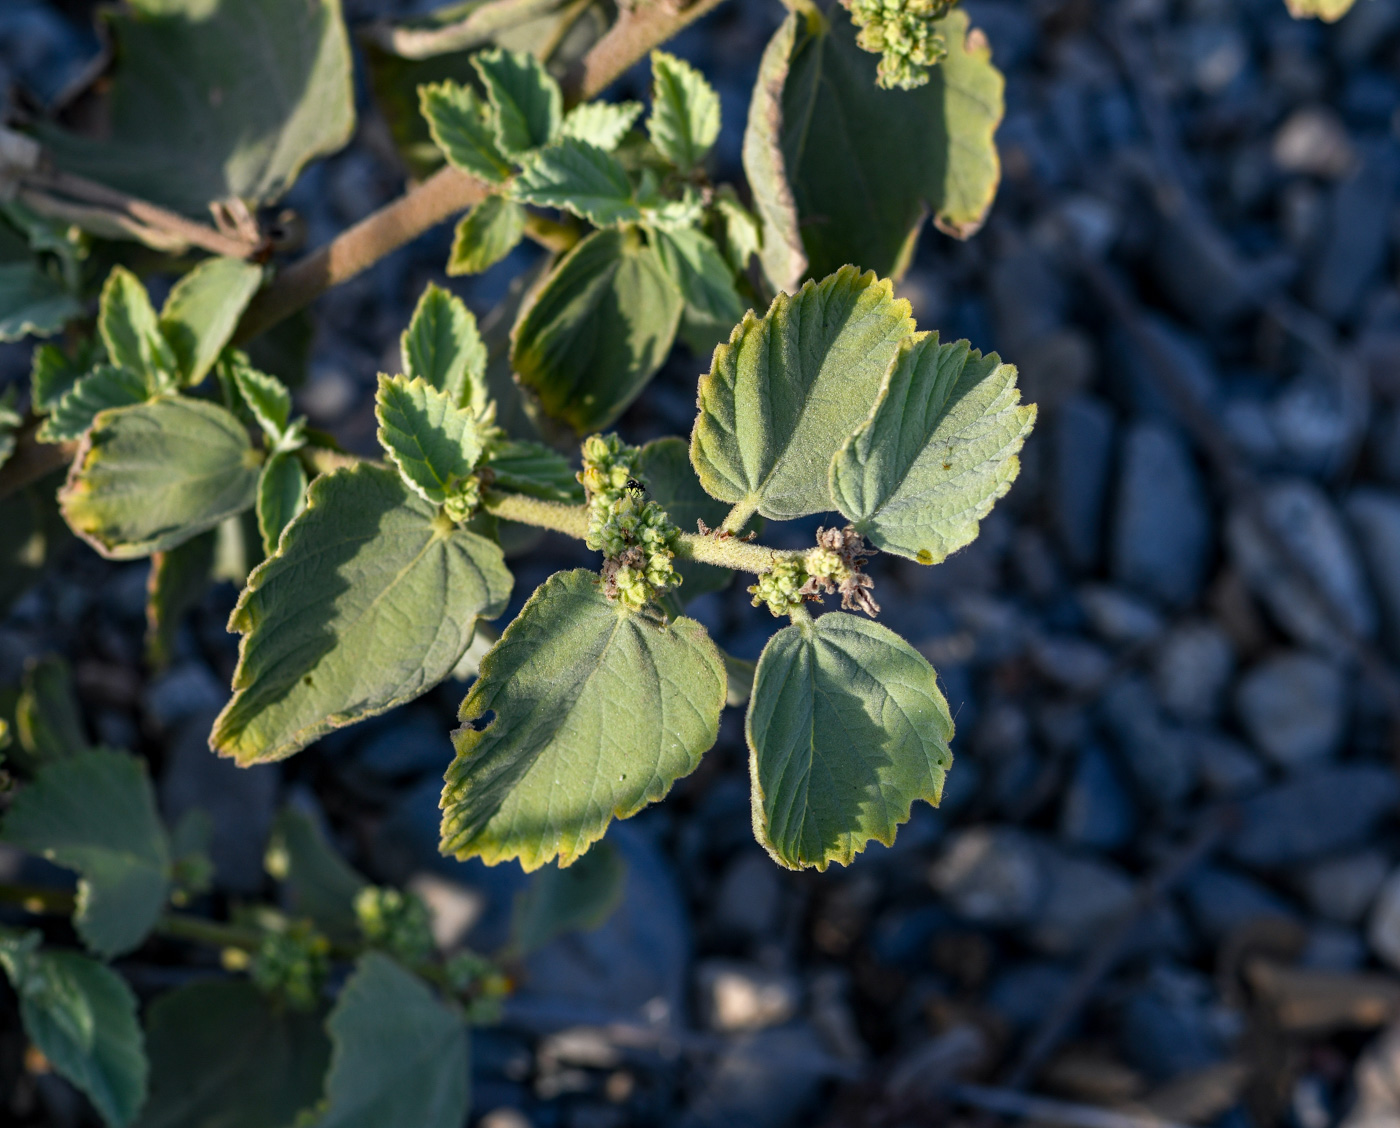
{"points": [[738, 230], [867, 165], [281, 496], [154, 475], [33, 302], [127, 321], [846, 728], [400, 1053], [937, 451], [684, 118], [665, 469], [485, 235], [580, 178], [10, 422], [54, 372], [526, 103], [598, 330], [435, 444], [178, 580], [369, 602], [105, 386], [47, 714], [217, 98], [316, 881], [781, 255], [534, 469], [574, 899], [443, 346], [597, 713], [82, 1017], [460, 124], [712, 305], [1329, 11], [603, 124], [789, 388], [222, 1056], [266, 397], [96, 813], [202, 311]]}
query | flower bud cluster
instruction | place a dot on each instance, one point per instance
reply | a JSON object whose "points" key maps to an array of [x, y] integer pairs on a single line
{"points": [[902, 33], [464, 499], [635, 536], [293, 963], [476, 976], [395, 921], [833, 566]]}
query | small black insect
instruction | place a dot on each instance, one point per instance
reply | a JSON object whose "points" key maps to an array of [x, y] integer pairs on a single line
{"points": [[635, 485]]}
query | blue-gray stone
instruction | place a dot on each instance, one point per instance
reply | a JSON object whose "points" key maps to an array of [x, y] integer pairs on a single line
{"points": [[1081, 455], [1375, 517], [1314, 813], [1293, 706], [1219, 900], [1357, 238], [1161, 757], [1097, 809]]}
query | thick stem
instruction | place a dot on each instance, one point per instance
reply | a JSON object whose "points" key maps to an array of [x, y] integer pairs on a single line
{"points": [[637, 31], [211, 933], [571, 520], [735, 520]]}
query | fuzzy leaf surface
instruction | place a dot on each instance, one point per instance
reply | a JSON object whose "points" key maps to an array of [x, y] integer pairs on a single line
{"points": [[96, 813], [266, 397], [598, 330], [938, 449], [846, 728], [789, 388], [217, 98], [527, 105], [223, 1057], [603, 124], [580, 178], [33, 302], [521, 466], [202, 311], [82, 1017], [712, 305], [460, 124], [281, 496], [684, 118], [105, 386], [443, 346], [485, 235], [368, 569], [152, 476], [400, 1054], [434, 443], [131, 331], [597, 713]]}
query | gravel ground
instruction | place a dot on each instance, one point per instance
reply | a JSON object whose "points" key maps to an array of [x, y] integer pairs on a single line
{"points": [[1164, 877]]}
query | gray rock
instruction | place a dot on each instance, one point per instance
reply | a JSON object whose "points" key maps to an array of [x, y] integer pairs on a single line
{"points": [[1097, 809], [1025, 992], [1313, 141], [763, 1080], [1117, 616], [1161, 532], [1161, 757], [1330, 947], [1316, 423], [1227, 767], [1069, 662], [1375, 516], [738, 996], [1317, 812], [1305, 521], [1166, 1028], [1084, 896], [991, 875], [1293, 707], [1190, 670], [1082, 436], [1342, 888], [415, 741], [1383, 928], [749, 897], [1355, 244], [1377, 1082], [181, 692], [1219, 900]]}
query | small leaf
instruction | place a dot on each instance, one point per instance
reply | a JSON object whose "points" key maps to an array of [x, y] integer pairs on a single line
{"points": [[461, 127], [154, 475], [265, 397], [177, 582], [576, 899], [597, 330], [129, 329], [706, 282], [400, 1053], [846, 728], [580, 178], [665, 469], [33, 302], [781, 255], [936, 452], [684, 118], [443, 346], [222, 1056], [316, 881], [434, 444], [738, 230], [82, 1017], [790, 387], [103, 387], [47, 714], [485, 235], [597, 713], [281, 496], [96, 813], [527, 105], [603, 124], [54, 372], [202, 311], [368, 603], [534, 469]]}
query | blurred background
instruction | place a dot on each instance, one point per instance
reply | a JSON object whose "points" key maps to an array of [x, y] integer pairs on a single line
{"points": [[1165, 878]]}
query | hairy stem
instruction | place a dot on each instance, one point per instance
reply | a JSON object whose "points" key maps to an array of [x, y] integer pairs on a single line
{"points": [[211, 933], [735, 520]]}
